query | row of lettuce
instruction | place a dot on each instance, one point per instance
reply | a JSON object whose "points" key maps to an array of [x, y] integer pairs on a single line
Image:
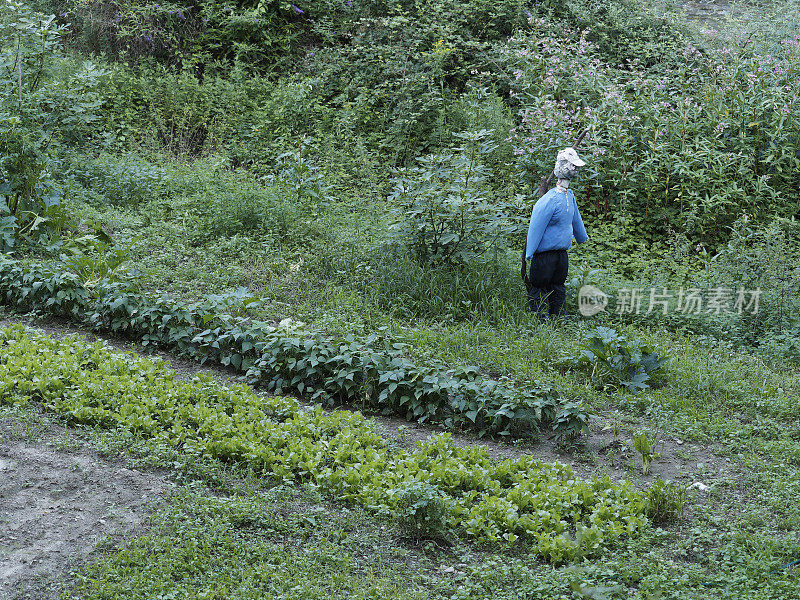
{"points": [[519, 501], [371, 373]]}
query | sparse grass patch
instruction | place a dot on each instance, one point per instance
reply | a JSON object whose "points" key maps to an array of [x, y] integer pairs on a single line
{"points": [[257, 543]]}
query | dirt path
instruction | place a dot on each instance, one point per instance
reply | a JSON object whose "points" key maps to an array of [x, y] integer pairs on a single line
{"points": [[58, 500]]}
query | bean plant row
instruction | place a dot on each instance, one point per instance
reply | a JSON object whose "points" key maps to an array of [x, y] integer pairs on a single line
{"points": [[371, 373]]}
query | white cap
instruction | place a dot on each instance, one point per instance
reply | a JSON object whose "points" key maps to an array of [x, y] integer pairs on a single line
{"points": [[571, 156]]}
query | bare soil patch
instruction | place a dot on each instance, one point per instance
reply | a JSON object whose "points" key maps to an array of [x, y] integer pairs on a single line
{"points": [[58, 501]]}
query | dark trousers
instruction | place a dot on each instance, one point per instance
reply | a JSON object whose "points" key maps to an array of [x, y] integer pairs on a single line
{"points": [[547, 294]]}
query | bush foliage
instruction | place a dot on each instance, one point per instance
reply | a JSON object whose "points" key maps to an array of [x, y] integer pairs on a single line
{"points": [[713, 142], [42, 104]]}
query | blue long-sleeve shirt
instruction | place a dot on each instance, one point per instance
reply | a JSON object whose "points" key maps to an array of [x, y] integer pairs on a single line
{"points": [[554, 221]]}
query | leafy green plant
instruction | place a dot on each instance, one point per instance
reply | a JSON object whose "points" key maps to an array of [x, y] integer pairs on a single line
{"points": [[423, 512], [665, 500], [300, 178], [630, 30], [617, 362], [572, 421], [762, 259], [645, 445], [94, 257], [444, 215], [233, 302], [241, 206]]}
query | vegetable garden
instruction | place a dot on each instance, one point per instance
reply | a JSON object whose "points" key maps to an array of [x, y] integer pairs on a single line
{"points": [[323, 203]]}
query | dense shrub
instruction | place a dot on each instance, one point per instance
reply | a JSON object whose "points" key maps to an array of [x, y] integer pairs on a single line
{"points": [[445, 216], [210, 199], [390, 70], [199, 34], [626, 30], [159, 109], [697, 150], [231, 210], [744, 294], [44, 100]]}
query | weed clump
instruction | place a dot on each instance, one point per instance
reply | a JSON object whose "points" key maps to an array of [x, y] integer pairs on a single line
{"points": [[617, 362], [665, 500]]}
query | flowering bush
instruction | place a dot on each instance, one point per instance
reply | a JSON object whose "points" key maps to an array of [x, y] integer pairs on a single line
{"points": [[716, 140]]}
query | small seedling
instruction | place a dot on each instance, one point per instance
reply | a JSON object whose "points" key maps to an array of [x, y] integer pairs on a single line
{"points": [[644, 444]]}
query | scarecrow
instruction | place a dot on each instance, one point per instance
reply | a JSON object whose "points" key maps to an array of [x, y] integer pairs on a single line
{"points": [[555, 220]]}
